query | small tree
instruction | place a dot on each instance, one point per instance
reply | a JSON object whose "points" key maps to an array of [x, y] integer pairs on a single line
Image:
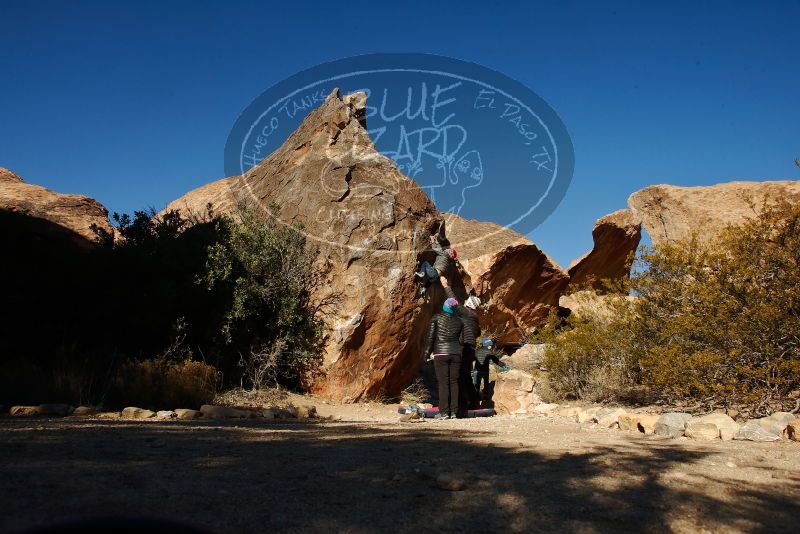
{"points": [[270, 273]]}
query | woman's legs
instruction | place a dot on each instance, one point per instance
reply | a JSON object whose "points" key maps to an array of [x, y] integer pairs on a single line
{"points": [[441, 365], [454, 369], [447, 369]]}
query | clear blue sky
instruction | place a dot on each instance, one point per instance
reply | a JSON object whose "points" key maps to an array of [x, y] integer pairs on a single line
{"points": [[131, 103]]}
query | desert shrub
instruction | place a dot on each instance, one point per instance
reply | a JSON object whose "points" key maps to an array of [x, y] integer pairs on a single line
{"points": [[163, 384], [587, 358], [721, 325], [715, 325], [416, 393], [268, 271]]}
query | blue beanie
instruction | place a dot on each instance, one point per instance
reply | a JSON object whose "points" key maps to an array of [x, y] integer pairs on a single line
{"points": [[449, 305], [487, 343]]}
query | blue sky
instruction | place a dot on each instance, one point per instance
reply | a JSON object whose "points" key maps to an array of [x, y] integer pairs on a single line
{"points": [[131, 103]]}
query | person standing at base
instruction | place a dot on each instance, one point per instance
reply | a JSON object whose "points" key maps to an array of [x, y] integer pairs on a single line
{"points": [[445, 345], [472, 330], [485, 355]]}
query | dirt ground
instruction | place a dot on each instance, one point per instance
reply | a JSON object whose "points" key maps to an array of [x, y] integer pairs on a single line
{"points": [[363, 470]]}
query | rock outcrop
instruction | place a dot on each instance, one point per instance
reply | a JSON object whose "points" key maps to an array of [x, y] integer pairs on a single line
{"points": [[370, 223], [670, 212], [517, 282], [514, 393], [59, 216], [615, 237]]}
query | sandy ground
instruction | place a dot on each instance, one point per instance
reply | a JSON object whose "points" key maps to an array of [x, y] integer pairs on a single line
{"points": [[365, 471]]}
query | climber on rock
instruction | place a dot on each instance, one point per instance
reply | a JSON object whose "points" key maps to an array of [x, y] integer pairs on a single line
{"points": [[443, 266]]}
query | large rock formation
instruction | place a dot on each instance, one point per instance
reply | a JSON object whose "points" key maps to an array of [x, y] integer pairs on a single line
{"points": [[55, 215], [517, 282], [370, 223], [670, 212], [615, 237]]}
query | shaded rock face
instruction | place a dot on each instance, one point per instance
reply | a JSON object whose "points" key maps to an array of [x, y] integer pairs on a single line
{"points": [[59, 216], [670, 213], [615, 237], [370, 223], [517, 282]]}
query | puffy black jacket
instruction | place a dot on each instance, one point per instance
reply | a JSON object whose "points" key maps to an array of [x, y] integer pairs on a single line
{"points": [[483, 357], [445, 334], [443, 263], [472, 326]]}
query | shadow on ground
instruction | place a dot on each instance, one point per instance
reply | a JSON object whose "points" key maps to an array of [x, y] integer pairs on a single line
{"points": [[252, 476]]}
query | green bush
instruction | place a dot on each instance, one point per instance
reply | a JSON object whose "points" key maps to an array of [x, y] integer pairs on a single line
{"points": [[589, 358], [226, 287], [268, 271], [716, 325]]}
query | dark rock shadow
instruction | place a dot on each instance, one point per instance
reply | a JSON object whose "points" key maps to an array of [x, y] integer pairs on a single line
{"points": [[252, 476]]}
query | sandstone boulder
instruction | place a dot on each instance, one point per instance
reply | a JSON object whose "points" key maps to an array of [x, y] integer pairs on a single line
{"points": [[589, 305], [760, 430], [8, 176], [83, 411], [629, 422], [647, 423], [62, 216], [132, 412], [670, 212], [514, 393], [22, 411], [672, 424], [185, 413], [702, 431], [517, 282], [615, 237], [526, 358], [370, 223], [586, 415], [608, 417], [166, 415], [782, 419], [726, 425]]}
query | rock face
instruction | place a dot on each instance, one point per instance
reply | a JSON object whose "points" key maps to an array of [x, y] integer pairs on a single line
{"points": [[615, 237], [588, 305], [526, 358], [514, 393], [62, 216], [370, 223], [517, 282], [669, 212], [8, 176]]}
